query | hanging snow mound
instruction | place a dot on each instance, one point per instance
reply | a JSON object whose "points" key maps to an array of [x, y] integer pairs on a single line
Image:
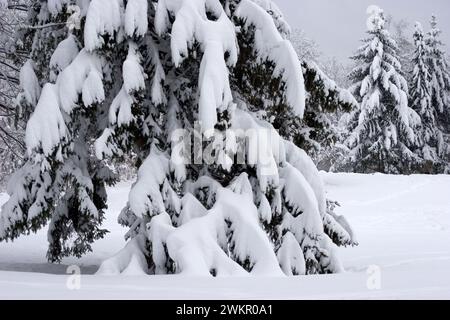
{"points": [[136, 21], [290, 256], [145, 196], [265, 149], [84, 75], [270, 45], [129, 261], [29, 84], [133, 81], [64, 54], [104, 17], [46, 127], [120, 113], [217, 37]]}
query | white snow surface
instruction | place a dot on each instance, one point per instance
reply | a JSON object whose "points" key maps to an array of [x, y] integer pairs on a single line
{"points": [[402, 224]]}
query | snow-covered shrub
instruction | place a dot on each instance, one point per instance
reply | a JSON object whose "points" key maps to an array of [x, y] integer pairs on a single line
{"points": [[164, 80]]}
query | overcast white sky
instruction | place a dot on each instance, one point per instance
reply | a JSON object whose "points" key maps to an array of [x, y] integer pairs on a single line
{"points": [[338, 25]]}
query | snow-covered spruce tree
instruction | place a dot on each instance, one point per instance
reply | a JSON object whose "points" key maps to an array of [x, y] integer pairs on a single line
{"points": [[383, 127], [440, 76], [433, 148], [317, 131], [140, 76]]}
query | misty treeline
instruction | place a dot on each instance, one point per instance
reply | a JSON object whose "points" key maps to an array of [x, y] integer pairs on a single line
{"points": [[400, 79], [12, 146], [339, 134]]}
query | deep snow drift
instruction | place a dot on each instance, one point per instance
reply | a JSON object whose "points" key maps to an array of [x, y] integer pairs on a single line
{"points": [[402, 224]]}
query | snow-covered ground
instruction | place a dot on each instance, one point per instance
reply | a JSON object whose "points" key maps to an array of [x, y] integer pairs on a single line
{"points": [[402, 223]]}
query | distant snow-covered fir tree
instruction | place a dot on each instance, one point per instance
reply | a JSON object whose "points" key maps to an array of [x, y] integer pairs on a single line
{"points": [[433, 148], [11, 127], [139, 77], [440, 76], [383, 127]]}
